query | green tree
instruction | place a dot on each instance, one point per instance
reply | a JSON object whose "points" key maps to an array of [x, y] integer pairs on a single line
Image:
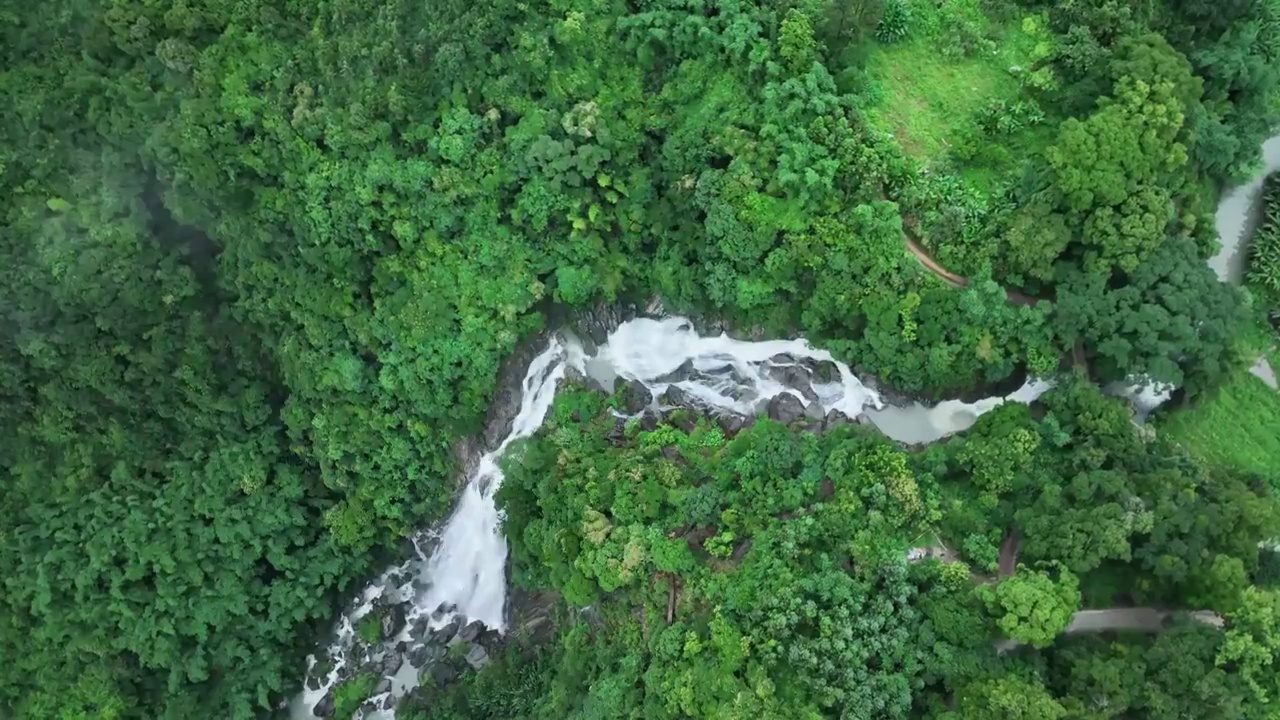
{"points": [[1032, 606]]}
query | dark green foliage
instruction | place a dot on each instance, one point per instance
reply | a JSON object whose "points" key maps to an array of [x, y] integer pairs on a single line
{"points": [[261, 262], [1173, 322], [813, 614]]}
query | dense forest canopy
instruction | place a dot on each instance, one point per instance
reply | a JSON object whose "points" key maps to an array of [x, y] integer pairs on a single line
{"points": [[262, 261]]}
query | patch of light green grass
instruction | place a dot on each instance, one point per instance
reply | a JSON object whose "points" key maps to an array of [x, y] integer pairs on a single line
{"points": [[930, 100], [1239, 428]]}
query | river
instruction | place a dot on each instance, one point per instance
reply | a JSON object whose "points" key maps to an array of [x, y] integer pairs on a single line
{"points": [[1235, 220]]}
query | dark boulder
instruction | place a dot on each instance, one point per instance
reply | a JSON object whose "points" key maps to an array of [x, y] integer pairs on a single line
{"points": [[390, 663], [813, 411], [324, 708], [470, 631], [419, 629], [786, 408], [383, 685], [835, 418], [826, 371], [676, 397], [491, 640], [392, 621], [446, 634], [684, 372], [425, 655], [443, 673], [731, 424], [618, 432], [635, 396]]}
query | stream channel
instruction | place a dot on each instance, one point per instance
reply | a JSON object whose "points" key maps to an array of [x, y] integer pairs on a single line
{"points": [[453, 587]]}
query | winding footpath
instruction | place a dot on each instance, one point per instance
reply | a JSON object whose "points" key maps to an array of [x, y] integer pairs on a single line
{"points": [[958, 281]]}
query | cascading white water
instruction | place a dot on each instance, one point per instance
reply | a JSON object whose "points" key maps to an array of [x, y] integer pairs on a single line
{"points": [[466, 570]]}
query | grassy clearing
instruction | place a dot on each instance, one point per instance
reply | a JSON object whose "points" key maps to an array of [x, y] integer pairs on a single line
{"points": [[929, 93], [929, 100], [1238, 429]]}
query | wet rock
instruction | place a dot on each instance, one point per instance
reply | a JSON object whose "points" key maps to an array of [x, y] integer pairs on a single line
{"points": [[619, 430], [369, 707], [392, 621], [383, 686], [491, 640], [786, 408], [426, 655], [684, 372], [825, 371], [470, 632], [732, 424], [635, 396], [314, 682], [420, 628], [835, 418], [477, 657], [676, 397], [324, 708], [389, 702], [446, 634], [443, 609], [390, 663], [813, 411]]}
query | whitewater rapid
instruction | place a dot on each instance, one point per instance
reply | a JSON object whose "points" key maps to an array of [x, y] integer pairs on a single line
{"points": [[465, 572]]}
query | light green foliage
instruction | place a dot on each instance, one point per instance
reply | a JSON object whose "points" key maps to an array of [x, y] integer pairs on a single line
{"points": [[349, 694], [1007, 698], [1033, 606], [1264, 247], [774, 560], [1232, 429], [895, 21], [370, 628], [1253, 641]]}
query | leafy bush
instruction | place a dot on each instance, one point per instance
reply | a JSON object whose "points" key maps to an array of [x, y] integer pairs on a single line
{"points": [[1264, 249], [895, 22]]}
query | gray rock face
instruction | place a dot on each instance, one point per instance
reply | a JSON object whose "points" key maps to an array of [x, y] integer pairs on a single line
{"points": [[786, 408], [477, 657]]}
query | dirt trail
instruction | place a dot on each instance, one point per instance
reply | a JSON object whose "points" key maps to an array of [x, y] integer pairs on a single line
{"points": [[954, 280]]}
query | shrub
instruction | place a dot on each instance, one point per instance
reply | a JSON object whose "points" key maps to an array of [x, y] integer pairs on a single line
{"points": [[895, 23]]}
